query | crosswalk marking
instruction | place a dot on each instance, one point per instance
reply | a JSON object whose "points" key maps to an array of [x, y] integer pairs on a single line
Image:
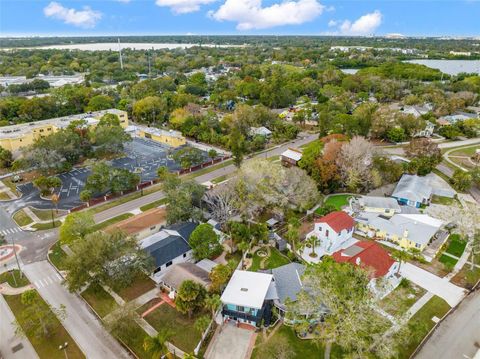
{"points": [[10, 231], [44, 282]]}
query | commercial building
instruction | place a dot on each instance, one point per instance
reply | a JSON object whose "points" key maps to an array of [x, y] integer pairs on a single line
{"points": [[171, 138], [14, 137]]}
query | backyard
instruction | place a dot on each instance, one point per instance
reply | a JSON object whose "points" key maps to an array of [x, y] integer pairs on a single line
{"points": [[456, 246], [336, 200], [271, 258], [184, 335], [140, 285]]}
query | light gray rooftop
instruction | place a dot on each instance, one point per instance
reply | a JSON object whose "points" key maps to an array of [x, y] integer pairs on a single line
{"points": [[288, 281], [379, 202], [413, 188]]}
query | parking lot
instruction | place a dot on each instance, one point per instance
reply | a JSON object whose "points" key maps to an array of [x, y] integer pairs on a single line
{"points": [[142, 156]]}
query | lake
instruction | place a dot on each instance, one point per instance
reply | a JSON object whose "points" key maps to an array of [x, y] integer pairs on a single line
{"points": [[108, 46], [451, 67]]}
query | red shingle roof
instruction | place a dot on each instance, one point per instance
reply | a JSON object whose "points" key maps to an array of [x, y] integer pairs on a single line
{"points": [[338, 221], [370, 254]]}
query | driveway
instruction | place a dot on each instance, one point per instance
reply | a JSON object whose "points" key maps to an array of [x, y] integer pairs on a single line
{"points": [[81, 324], [231, 342], [12, 346], [451, 293]]}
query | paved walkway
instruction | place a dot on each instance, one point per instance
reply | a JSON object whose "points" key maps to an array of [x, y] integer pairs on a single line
{"points": [[8, 339], [419, 304], [451, 293], [5, 288]]}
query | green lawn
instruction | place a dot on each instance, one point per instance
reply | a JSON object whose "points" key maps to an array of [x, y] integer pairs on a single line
{"points": [[274, 260], [206, 170], [57, 256], [448, 261], [46, 214], [219, 179], [46, 347], [185, 337], [444, 200], [141, 284], [421, 323], [108, 222], [153, 204], [22, 218], [456, 246], [99, 299], [402, 298], [133, 337], [47, 225], [12, 277], [302, 348], [4, 196], [466, 151], [338, 201]]}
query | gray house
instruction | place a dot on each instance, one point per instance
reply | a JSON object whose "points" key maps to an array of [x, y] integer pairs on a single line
{"points": [[413, 191]]}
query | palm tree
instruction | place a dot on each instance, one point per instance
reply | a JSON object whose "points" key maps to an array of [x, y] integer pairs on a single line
{"points": [[212, 302], [401, 256], [156, 346], [292, 232], [313, 242], [243, 247]]}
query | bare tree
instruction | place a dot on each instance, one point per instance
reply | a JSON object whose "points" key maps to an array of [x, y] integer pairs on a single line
{"points": [[221, 202]]}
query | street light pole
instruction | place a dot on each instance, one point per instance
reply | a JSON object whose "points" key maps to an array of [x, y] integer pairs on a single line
{"points": [[64, 348], [16, 257]]}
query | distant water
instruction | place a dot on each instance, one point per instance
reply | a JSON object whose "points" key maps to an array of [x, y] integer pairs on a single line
{"points": [[106, 46], [349, 71], [451, 67]]}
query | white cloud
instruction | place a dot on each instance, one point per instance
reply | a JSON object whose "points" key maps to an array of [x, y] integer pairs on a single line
{"points": [[86, 18], [364, 25], [332, 23], [124, 1], [183, 6], [249, 14]]}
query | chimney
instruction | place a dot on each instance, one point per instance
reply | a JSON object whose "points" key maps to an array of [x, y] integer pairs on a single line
{"points": [[405, 233]]}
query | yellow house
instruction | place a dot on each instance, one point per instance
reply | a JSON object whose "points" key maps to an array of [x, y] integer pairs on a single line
{"points": [[409, 231], [14, 137], [171, 138], [385, 206]]}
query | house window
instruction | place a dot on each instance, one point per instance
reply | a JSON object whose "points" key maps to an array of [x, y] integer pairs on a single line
{"points": [[320, 229], [326, 233], [157, 270], [184, 255], [41, 130], [152, 228], [168, 264], [240, 309], [417, 245]]}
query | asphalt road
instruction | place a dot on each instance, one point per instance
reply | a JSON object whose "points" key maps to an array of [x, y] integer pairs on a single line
{"points": [[130, 206], [94, 341], [458, 336], [22, 349]]}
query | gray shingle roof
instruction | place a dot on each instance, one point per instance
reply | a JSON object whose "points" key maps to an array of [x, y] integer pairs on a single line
{"points": [[288, 281], [413, 188]]}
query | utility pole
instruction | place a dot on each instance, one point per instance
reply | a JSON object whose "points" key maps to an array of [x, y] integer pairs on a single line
{"points": [[64, 348], [16, 257], [120, 54]]}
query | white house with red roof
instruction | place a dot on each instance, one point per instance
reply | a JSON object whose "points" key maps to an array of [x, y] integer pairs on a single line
{"points": [[333, 232], [376, 260]]}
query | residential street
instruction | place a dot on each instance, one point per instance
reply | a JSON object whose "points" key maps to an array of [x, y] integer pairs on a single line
{"points": [[131, 205], [8, 340], [451, 293], [458, 336], [82, 325]]}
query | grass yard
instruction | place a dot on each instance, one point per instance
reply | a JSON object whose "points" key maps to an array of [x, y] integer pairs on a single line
{"points": [[99, 299], [133, 337], [57, 256], [185, 337], [141, 284], [206, 170], [12, 277], [219, 179], [22, 218], [274, 260], [402, 298], [466, 151], [456, 245], [337, 200], [153, 204], [48, 225], [444, 200], [46, 348], [467, 277], [421, 323], [108, 222], [4, 196], [448, 261], [302, 348], [46, 214]]}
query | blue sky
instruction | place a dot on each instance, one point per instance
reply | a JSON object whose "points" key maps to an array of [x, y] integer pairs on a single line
{"points": [[282, 17]]}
